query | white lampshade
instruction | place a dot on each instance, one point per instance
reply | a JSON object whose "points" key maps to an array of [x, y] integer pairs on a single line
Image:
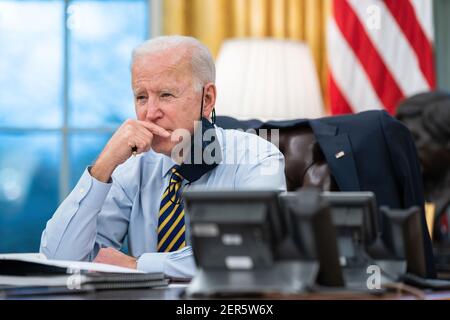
{"points": [[267, 79]]}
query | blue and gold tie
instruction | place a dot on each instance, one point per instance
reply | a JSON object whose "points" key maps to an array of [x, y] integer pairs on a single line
{"points": [[171, 225]]}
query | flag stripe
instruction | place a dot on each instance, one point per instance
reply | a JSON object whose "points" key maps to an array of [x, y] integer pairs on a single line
{"points": [[393, 47], [379, 75], [348, 73], [424, 13], [339, 104], [379, 52], [403, 12]]}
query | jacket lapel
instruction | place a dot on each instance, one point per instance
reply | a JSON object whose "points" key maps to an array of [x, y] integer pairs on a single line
{"points": [[339, 154]]}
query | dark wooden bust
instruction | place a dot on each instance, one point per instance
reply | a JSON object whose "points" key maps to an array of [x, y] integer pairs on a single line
{"points": [[427, 116]]}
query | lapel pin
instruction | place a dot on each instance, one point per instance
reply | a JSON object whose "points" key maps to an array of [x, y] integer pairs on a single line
{"points": [[340, 154]]}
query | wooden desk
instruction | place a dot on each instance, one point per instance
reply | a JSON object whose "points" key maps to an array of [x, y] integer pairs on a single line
{"points": [[175, 292]]}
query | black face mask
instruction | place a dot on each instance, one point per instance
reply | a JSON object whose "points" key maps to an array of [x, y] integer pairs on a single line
{"points": [[197, 166]]}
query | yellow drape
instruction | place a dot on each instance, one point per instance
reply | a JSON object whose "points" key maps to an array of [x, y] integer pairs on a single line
{"points": [[430, 213], [212, 21]]}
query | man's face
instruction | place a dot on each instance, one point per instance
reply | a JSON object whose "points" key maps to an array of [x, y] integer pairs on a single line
{"points": [[164, 94]]}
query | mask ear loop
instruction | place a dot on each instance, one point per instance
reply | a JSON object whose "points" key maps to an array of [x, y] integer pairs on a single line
{"points": [[203, 99], [213, 116]]}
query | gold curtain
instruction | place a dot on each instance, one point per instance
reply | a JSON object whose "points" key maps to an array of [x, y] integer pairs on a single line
{"points": [[212, 21]]}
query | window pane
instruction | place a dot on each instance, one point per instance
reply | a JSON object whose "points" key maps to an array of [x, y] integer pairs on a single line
{"points": [[103, 35], [28, 188], [31, 42], [84, 149]]}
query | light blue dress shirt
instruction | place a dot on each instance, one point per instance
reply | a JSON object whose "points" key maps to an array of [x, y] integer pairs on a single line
{"points": [[97, 214]]}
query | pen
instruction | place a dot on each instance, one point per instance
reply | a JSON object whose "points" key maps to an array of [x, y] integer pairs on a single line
{"points": [[134, 151]]}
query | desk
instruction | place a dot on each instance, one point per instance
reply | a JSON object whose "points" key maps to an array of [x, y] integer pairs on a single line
{"points": [[174, 292]]}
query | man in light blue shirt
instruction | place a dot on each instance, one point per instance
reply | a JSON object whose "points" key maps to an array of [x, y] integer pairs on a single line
{"points": [[120, 195]]}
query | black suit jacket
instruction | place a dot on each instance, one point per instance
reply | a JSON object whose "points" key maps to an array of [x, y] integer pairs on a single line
{"points": [[380, 156]]}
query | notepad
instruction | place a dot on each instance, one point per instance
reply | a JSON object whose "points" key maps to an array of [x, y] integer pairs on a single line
{"points": [[16, 286], [39, 262], [96, 280], [22, 274]]}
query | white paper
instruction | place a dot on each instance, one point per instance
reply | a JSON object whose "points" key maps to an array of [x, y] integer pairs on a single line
{"points": [[89, 266], [72, 266], [42, 281], [39, 256]]}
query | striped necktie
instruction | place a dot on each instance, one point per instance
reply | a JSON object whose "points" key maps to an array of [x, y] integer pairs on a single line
{"points": [[171, 226]]}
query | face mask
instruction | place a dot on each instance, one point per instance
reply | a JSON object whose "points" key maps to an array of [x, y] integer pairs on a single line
{"points": [[205, 152]]}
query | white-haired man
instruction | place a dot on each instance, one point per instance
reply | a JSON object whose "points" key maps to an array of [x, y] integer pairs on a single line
{"points": [[139, 198]]}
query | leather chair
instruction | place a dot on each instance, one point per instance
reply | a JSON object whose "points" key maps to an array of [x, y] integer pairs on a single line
{"points": [[305, 163], [381, 147]]}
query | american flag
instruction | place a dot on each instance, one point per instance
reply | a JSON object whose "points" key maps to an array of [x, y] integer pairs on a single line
{"points": [[379, 52]]}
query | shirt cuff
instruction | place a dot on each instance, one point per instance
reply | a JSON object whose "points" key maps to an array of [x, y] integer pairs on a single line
{"points": [[176, 265], [90, 192], [152, 262]]}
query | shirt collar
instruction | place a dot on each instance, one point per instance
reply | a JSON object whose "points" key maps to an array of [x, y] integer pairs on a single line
{"points": [[168, 162]]}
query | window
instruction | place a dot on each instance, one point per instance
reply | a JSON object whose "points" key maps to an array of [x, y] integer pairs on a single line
{"points": [[64, 88]]}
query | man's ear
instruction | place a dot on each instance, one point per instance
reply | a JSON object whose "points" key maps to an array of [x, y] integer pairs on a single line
{"points": [[209, 99]]}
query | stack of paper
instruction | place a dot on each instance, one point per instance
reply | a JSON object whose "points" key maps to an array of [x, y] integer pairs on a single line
{"points": [[25, 271]]}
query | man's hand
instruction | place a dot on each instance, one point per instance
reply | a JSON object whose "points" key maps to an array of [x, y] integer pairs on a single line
{"points": [[118, 149], [115, 257]]}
